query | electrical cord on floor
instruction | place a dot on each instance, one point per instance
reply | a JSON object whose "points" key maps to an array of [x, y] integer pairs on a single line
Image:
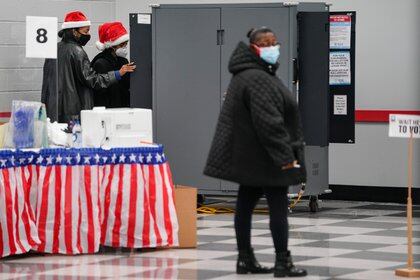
{"points": [[204, 209], [300, 194]]}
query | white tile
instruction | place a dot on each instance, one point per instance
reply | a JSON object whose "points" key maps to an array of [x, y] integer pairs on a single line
{"points": [[219, 265], [335, 230], [64, 260], [371, 274], [389, 219], [214, 224], [399, 249], [96, 270], [391, 240], [348, 263], [188, 254], [311, 251], [313, 222], [228, 231]]}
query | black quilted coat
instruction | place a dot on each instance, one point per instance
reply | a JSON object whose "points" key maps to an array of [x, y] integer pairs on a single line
{"points": [[259, 128]]}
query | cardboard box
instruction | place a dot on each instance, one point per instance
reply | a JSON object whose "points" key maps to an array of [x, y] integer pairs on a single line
{"points": [[186, 209]]}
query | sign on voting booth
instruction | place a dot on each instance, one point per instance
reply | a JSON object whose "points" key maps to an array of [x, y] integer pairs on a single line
{"points": [[41, 37]]}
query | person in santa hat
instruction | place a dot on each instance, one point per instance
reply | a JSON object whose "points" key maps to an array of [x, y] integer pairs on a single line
{"points": [[76, 78], [113, 40]]}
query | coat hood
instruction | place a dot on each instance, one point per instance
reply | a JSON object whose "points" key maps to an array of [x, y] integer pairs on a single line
{"points": [[243, 59]]}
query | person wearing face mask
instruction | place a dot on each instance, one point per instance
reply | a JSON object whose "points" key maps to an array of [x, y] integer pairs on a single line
{"points": [[259, 144], [113, 40], [76, 78]]}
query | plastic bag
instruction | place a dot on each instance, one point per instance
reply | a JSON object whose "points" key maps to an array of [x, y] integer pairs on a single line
{"points": [[27, 126]]}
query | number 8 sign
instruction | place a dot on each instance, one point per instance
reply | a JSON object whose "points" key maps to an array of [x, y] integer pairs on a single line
{"points": [[41, 37]]}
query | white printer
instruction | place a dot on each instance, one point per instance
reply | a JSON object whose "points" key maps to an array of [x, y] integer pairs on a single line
{"points": [[122, 127]]}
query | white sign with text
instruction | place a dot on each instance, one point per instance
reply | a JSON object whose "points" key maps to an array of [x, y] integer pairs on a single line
{"points": [[404, 126], [41, 37]]}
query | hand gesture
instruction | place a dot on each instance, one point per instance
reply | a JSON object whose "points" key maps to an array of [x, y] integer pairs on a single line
{"points": [[127, 68], [290, 165]]}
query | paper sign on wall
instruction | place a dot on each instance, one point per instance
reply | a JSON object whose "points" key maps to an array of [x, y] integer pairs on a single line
{"points": [[41, 37], [144, 19], [403, 126], [340, 31], [340, 105], [340, 68]]}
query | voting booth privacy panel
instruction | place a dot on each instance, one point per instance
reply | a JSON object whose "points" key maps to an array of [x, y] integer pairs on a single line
{"points": [[182, 53]]}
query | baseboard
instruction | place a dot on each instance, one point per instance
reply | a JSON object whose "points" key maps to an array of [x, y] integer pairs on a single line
{"points": [[369, 193]]}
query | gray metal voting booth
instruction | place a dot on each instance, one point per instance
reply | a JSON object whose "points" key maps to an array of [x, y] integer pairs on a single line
{"points": [[182, 56]]}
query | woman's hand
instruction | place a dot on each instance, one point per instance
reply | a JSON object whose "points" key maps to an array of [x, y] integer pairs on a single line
{"points": [[291, 165], [127, 68]]}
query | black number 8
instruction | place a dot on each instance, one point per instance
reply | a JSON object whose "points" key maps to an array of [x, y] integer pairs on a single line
{"points": [[42, 36]]}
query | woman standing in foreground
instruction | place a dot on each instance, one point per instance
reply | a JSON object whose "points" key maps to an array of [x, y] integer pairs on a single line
{"points": [[259, 144]]}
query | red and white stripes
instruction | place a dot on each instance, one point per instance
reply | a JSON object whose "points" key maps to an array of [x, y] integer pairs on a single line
{"points": [[138, 209], [18, 232], [72, 209]]}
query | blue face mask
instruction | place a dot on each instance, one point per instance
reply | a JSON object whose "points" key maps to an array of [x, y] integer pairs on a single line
{"points": [[270, 54]]}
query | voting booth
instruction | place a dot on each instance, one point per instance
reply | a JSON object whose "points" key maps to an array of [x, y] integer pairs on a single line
{"points": [[186, 88]]}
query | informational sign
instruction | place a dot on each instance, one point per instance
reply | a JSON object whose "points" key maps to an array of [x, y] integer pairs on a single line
{"points": [[41, 37], [144, 19], [340, 73], [403, 126], [340, 31], [340, 105]]}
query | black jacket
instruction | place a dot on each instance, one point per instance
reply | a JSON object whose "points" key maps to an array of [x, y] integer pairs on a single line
{"points": [[259, 128], [117, 95], [76, 79]]}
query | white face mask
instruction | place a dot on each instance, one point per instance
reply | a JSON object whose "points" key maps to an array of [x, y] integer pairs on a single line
{"points": [[122, 52]]}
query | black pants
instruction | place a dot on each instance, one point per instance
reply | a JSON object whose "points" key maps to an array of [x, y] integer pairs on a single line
{"points": [[248, 198]]}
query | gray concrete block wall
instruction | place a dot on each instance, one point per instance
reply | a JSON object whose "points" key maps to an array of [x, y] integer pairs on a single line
{"points": [[21, 77]]}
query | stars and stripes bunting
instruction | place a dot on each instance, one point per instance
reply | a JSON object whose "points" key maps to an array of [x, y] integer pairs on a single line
{"points": [[70, 201]]}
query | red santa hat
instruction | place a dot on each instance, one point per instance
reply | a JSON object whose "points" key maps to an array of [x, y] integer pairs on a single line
{"points": [[111, 34], [74, 20]]}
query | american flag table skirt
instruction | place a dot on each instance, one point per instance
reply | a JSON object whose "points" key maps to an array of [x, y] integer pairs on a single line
{"points": [[70, 201]]}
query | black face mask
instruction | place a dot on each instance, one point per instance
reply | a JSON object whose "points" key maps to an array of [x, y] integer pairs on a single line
{"points": [[83, 39]]}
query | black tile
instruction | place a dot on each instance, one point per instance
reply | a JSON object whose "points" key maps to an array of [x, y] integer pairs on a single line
{"points": [[328, 271], [343, 245], [212, 238], [393, 233], [379, 206]]}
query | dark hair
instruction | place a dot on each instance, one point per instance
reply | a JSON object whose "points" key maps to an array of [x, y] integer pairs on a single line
{"points": [[66, 34], [255, 33]]}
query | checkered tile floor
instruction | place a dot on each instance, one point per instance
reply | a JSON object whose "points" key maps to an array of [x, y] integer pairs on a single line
{"points": [[345, 240]]}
